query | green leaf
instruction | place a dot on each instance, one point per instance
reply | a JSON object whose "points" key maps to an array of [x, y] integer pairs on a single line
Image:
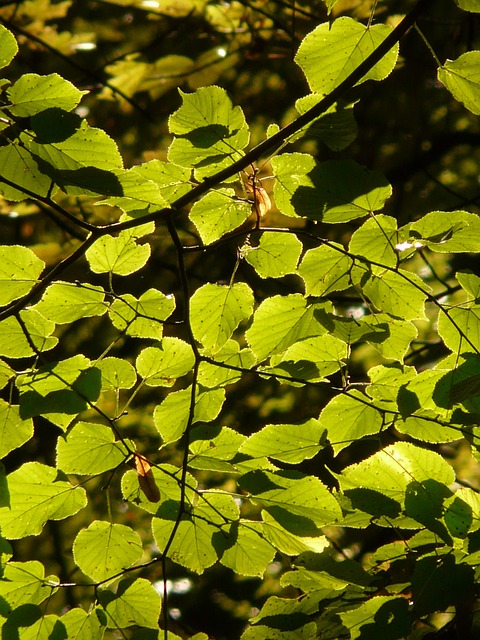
{"points": [[399, 334], [313, 358], [459, 328], [326, 269], [81, 625], [332, 51], [18, 166], [172, 180], [289, 543], [32, 93], [275, 256], [90, 448], [217, 310], [105, 549], [142, 318], [160, 366], [283, 619], [23, 583], [37, 493], [376, 240], [201, 534], [209, 132], [171, 416], [65, 302], [300, 503], [217, 213], [320, 191], [279, 322], [462, 78], [447, 231], [211, 375], [134, 192], [391, 470], [248, 553], [32, 335], [66, 387], [136, 603], [387, 617], [116, 374], [6, 373], [14, 430], [291, 443], [347, 418], [19, 272], [336, 127], [86, 148], [468, 5], [8, 47], [211, 447], [121, 255], [399, 293]]}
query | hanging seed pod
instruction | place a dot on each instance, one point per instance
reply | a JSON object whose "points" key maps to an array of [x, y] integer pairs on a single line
{"points": [[145, 478]]}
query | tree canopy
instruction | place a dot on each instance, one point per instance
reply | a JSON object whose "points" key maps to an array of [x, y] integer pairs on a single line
{"points": [[239, 319]]}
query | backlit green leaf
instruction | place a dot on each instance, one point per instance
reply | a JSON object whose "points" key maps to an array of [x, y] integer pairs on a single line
{"points": [[65, 302], [171, 416], [121, 255], [105, 549], [19, 167], [209, 131], [333, 50], [388, 616], [20, 340], [290, 443], [161, 365], [211, 375], [313, 358], [135, 603], [348, 418], [32, 93], [202, 533], [81, 625], [399, 293], [249, 552], [37, 493], [217, 310], [319, 191], [376, 240], [279, 322], [24, 583], [66, 387], [14, 431], [277, 255], [19, 271], [324, 269], [447, 231], [391, 470], [462, 78], [116, 373], [300, 503], [89, 448], [336, 127], [142, 317], [8, 46], [217, 213], [289, 543], [211, 447]]}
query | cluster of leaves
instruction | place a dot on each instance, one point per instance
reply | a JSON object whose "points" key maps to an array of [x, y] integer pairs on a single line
{"points": [[216, 492]]}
